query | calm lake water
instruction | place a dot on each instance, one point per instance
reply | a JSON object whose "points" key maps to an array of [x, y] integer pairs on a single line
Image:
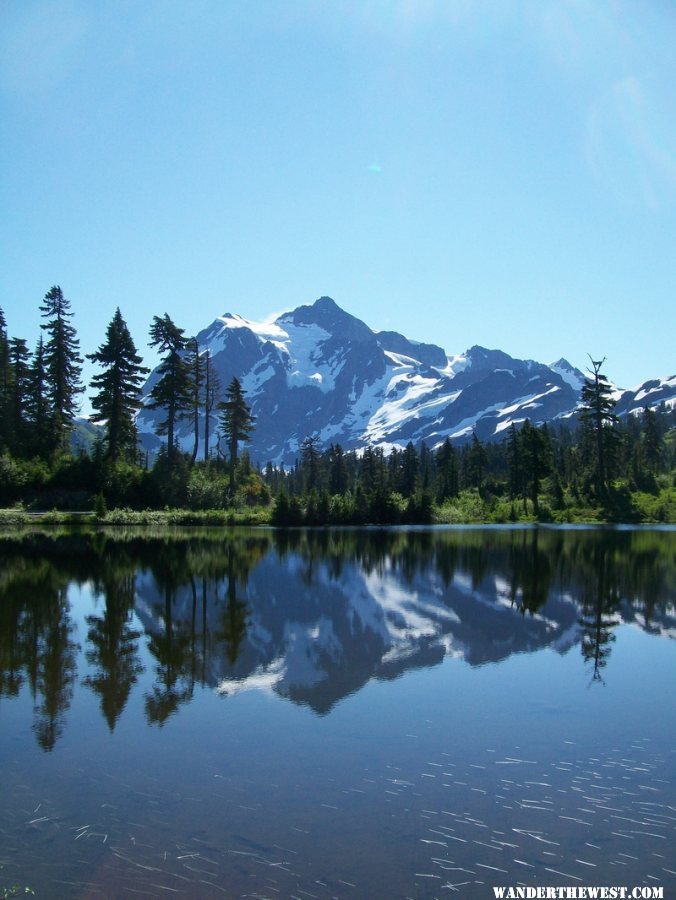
{"points": [[357, 714]]}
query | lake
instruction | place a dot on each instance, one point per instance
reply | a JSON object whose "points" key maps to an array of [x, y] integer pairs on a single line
{"points": [[341, 713]]}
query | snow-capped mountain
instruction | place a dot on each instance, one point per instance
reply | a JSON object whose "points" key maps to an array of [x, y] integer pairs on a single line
{"points": [[651, 393], [319, 371]]}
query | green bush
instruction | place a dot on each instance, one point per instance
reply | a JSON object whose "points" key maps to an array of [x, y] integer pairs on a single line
{"points": [[206, 490], [467, 507], [11, 518], [100, 506], [122, 483], [20, 478]]}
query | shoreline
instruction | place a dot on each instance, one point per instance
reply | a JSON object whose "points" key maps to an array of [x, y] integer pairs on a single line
{"points": [[120, 518]]}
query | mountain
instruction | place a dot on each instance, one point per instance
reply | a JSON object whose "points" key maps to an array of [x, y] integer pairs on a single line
{"points": [[319, 371]]}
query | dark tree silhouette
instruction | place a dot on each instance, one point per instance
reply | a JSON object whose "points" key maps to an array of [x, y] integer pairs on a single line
{"points": [[5, 383], [310, 462], [596, 415], [38, 403], [212, 389], [19, 359], [536, 457], [236, 424], [63, 365], [118, 388], [172, 392]]}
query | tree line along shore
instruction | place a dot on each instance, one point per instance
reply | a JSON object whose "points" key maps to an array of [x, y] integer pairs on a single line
{"points": [[594, 467]]}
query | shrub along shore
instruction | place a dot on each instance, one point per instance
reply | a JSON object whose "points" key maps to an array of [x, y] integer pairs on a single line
{"points": [[321, 509]]}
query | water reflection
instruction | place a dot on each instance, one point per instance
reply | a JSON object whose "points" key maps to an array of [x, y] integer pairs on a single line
{"points": [[37, 644], [112, 644], [310, 616]]}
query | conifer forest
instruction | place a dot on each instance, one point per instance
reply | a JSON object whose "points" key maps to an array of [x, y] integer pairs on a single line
{"points": [[594, 466]]}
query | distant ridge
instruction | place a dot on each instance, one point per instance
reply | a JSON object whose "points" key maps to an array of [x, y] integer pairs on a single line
{"points": [[320, 371]]}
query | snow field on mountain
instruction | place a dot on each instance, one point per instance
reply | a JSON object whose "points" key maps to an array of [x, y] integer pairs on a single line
{"points": [[319, 372]]}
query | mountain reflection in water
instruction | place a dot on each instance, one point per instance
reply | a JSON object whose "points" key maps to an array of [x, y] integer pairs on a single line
{"points": [[311, 616]]}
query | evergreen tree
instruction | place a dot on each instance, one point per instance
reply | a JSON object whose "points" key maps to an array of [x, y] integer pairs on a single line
{"points": [[410, 468], [597, 416], [5, 383], [310, 463], [536, 454], [172, 391], [118, 387], [38, 403], [514, 464], [368, 471], [196, 369], [394, 469], [212, 389], [427, 467], [338, 476], [651, 441], [448, 476], [63, 365], [380, 469], [477, 461], [19, 357], [236, 424]]}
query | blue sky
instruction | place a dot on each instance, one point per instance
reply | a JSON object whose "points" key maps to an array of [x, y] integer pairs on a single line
{"points": [[462, 171]]}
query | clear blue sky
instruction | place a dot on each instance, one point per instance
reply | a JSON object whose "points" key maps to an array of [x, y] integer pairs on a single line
{"points": [[463, 171]]}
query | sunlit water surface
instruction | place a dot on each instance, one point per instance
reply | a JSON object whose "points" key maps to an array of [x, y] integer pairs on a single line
{"points": [[341, 714]]}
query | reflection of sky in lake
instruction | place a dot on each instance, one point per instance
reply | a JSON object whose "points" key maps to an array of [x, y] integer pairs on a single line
{"points": [[430, 774]]}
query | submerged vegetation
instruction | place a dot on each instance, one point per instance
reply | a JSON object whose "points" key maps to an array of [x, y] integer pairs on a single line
{"points": [[595, 469]]}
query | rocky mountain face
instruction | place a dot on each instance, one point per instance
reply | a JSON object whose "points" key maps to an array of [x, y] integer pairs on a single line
{"points": [[319, 371]]}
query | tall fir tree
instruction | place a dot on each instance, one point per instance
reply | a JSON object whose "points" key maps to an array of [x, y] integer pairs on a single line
{"points": [[598, 419], [338, 475], [477, 462], [651, 440], [410, 470], [172, 391], [236, 424], [448, 476], [514, 463], [212, 390], [19, 358], [536, 456], [117, 398], [368, 471], [63, 365], [196, 364], [5, 385], [310, 461], [38, 404]]}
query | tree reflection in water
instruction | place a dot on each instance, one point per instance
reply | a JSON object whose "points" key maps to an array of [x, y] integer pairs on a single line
{"points": [[113, 644], [36, 641], [183, 648], [600, 607], [344, 606]]}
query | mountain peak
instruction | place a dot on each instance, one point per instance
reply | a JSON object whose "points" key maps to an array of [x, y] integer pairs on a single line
{"points": [[429, 354], [484, 358], [326, 313], [562, 364], [319, 370], [568, 373], [326, 303]]}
